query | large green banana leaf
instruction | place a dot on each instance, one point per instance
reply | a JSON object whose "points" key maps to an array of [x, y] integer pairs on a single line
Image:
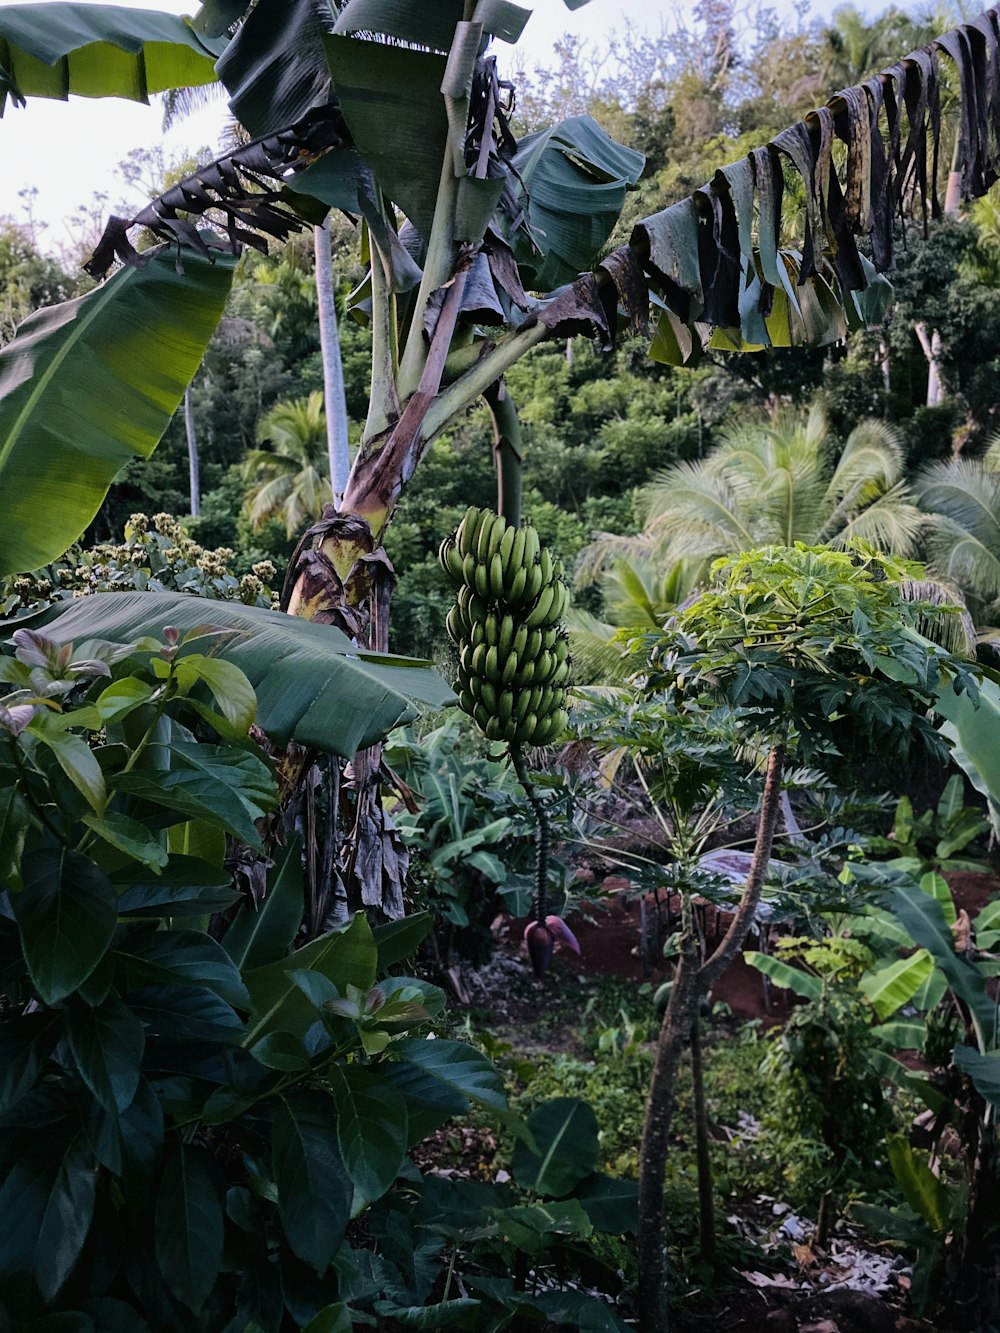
{"points": [[90, 384], [313, 685], [52, 50]]}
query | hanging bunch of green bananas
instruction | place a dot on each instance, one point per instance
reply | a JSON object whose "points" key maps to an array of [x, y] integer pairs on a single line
{"points": [[513, 654]]}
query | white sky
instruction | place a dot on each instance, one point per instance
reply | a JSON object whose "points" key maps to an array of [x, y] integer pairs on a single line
{"points": [[68, 152]]}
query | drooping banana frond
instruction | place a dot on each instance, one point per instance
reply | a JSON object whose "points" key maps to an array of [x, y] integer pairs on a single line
{"points": [[242, 195]]}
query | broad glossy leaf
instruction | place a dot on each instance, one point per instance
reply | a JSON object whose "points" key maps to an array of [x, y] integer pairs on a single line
{"points": [[186, 1013], [565, 1131], [575, 1309], [984, 1070], [391, 99], [611, 1204], [571, 180], [107, 1044], [371, 1130], [24, 1044], [274, 67], [784, 975], [312, 684], [90, 384], [169, 957], [458, 1312], [233, 693], [66, 915], [439, 1080], [263, 934], [47, 1202], [334, 1319], [400, 939], [98, 51], [187, 886], [922, 1190], [76, 759], [889, 988], [924, 920], [345, 957], [130, 837], [189, 1225], [314, 1189], [66, 1220], [230, 788]]}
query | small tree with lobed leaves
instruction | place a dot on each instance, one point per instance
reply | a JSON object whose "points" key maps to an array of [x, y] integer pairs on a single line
{"points": [[796, 639]]}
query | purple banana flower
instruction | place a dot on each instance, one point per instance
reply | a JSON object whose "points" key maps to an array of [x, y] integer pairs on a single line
{"points": [[542, 939]]}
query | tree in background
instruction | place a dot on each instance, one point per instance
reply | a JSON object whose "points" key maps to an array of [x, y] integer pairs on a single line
{"points": [[290, 480]]}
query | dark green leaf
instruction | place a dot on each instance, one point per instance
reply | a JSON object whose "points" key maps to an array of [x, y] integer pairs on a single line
{"points": [[400, 939], [984, 1070], [611, 1204], [166, 957], [189, 1226], [91, 384], [186, 887], [13, 824], [345, 957], [334, 1319], [262, 934], [66, 1220], [66, 915], [186, 1013], [371, 1130], [391, 99], [438, 1078], [130, 837], [274, 67], [314, 1189], [575, 1309], [227, 787], [313, 685], [571, 180], [445, 1314], [24, 1044], [107, 1044], [565, 1131]]}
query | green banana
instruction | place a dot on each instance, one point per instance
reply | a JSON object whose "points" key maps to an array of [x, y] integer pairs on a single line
{"points": [[496, 575], [481, 582], [506, 636], [515, 592]]}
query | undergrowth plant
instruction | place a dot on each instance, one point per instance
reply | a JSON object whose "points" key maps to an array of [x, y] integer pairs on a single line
{"points": [[192, 1108]]}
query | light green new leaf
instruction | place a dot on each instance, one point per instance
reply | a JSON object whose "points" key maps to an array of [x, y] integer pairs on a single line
{"points": [[90, 384], [786, 976], [53, 50], [130, 837], [312, 684], [891, 987], [921, 1188]]}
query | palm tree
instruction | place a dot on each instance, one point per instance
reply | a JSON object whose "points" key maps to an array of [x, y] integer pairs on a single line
{"points": [[290, 480], [774, 481], [961, 498], [638, 597]]}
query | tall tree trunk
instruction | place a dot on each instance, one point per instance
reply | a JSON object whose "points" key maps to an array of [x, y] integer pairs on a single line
{"points": [[930, 343], [194, 484], [703, 1150], [333, 368], [690, 984]]}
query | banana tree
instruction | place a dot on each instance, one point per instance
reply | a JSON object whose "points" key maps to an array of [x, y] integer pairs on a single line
{"points": [[479, 247]]}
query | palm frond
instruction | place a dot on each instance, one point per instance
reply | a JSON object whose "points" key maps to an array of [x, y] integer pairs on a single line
{"points": [[599, 658], [954, 630], [893, 523]]}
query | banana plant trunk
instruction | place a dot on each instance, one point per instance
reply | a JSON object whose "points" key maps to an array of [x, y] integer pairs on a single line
{"points": [[691, 983]]}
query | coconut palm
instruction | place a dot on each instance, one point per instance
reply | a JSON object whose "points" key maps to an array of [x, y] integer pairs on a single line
{"points": [[290, 480], [639, 597], [774, 481], [961, 498]]}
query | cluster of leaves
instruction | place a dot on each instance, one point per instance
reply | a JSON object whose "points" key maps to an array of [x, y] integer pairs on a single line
{"points": [[469, 827], [191, 1109], [800, 637], [155, 555]]}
